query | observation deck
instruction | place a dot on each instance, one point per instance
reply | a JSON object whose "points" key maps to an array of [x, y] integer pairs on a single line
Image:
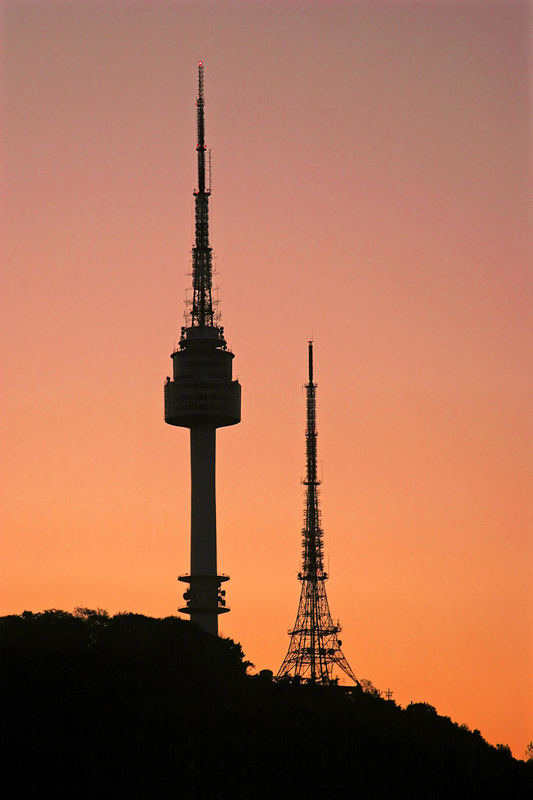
{"points": [[202, 391]]}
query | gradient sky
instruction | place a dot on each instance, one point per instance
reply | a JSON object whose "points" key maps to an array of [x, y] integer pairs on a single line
{"points": [[370, 180]]}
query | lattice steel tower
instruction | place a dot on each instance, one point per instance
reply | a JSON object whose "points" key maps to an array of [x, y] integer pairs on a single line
{"points": [[315, 648], [203, 397]]}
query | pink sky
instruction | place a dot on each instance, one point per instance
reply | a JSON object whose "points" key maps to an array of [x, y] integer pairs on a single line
{"points": [[370, 186]]}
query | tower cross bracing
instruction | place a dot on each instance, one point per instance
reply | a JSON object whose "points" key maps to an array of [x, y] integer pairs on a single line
{"points": [[314, 651]]}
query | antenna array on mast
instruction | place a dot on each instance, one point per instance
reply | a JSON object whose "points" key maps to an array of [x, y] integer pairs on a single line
{"points": [[202, 312]]}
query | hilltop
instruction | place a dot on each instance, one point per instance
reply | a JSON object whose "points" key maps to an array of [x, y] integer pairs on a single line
{"points": [[134, 707]]}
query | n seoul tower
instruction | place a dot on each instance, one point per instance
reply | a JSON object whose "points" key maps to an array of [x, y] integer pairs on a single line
{"points": [[202, 396]]}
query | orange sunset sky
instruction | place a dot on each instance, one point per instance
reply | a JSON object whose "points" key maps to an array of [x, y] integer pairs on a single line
{"points": [[370, 188]]}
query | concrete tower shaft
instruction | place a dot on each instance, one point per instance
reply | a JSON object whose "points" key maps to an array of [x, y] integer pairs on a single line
{"points": [[202, 396]]}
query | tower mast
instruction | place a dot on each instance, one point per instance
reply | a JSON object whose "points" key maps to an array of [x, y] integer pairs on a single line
{"points": [[202, 303], [314, 648], [202, 396]]}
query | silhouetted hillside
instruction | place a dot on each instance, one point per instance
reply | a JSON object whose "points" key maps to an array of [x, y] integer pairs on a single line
{"points": [[135, 707]]}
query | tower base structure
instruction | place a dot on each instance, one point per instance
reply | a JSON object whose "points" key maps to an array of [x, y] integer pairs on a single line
{"points": [[205, 600]]}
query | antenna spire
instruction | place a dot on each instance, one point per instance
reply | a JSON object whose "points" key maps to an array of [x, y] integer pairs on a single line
{"points": [[200, 128], [202, 313]]}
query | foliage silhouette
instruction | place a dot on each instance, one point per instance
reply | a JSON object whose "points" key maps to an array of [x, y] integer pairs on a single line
{"points": [[133, 707]]}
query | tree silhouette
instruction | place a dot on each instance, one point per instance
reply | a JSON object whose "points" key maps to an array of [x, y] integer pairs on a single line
{"points": [[126, 706]]}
